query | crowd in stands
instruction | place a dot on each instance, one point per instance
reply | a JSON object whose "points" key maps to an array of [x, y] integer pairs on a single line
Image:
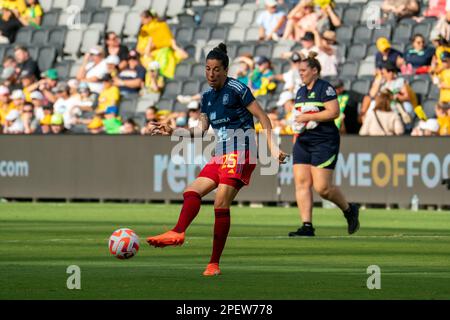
{"points": [[34, 101]]}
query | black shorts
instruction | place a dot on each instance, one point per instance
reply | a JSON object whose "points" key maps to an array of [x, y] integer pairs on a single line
{"points": [[321, 153]]}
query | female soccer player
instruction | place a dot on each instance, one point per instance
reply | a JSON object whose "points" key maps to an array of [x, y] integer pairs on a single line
{"points": [[316, 150], [228, 105]]}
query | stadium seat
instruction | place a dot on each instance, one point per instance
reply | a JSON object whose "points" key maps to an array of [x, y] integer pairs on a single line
{"points": [[352, 15], [165, 104], [56, 37], [361, 86], [400, 46], [171, 90], [245, 49], [264, 49], [76, 65], [349, 69], [357, 51], [40, 37], [366, 69], [202, 33], [280, 48], [60, 4], [210, 17], [100, 16], [402, 33], [143, 104], [184, 35], [434, 92], [160, 6], [362, 35], [110, 3], [198, 71], [81, 4], [244, 18], [47, 57], [91, 38], [128, 3], [183, 71], [127, 107], [420, 86], [94, 4], [227, 17], [423, 29], [236, 34], [132, 24], [344, 34], [116, 22], [429, 108], [372, 50], [73, 42], [46, 5], [342, 52], [63, 68], [384, 31], [191, 87], [51, 18], [175, 7], [86, 17], [142, 5], [24, 36], [219, 33], [252, 34]]}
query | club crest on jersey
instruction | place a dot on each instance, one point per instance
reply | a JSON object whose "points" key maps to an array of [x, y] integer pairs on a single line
{"points": [[226, 99], [312, 95], [213, 116], [330, 92]]}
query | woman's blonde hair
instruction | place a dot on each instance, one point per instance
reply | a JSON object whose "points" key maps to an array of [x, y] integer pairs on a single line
{"points": [[383, 101]]}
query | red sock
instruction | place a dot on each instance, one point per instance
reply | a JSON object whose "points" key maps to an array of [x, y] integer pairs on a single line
{"points": [[191, 207], [221, 229]]}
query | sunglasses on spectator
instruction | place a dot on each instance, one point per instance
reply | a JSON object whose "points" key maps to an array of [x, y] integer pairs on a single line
{"points": [[27, 111]]}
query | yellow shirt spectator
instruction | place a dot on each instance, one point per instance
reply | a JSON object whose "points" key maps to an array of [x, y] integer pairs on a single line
{"points": [[4, 110], [34, 14], [158, 31], [444, 82], [438, 53], [108, 97], [18, 5]]}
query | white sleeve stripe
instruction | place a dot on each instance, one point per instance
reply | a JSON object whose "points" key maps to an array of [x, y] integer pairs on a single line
{"points": [[238, 84]]}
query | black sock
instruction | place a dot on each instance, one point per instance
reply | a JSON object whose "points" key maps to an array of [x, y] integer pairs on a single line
{"points": [[349, 210], [307, 224]]}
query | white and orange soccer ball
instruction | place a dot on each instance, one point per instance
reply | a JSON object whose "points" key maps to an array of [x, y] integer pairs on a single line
{"points": [[124, 243]]}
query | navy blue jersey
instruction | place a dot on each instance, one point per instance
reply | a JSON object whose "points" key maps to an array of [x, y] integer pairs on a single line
{"points": [[227, 112], [321, 92]]}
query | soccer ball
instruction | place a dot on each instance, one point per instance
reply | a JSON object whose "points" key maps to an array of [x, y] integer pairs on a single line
{"points": [[124, 243], [301, 127]]}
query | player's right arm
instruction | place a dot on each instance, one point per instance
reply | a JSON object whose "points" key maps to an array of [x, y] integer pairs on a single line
{"points": [[166, 130]]}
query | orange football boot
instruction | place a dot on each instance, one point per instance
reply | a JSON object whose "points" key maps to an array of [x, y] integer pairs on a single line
{"points": [[170, 238], [212, 269]]}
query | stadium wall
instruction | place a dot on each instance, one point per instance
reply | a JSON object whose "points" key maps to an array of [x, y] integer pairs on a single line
{"points": [[373, 170]]}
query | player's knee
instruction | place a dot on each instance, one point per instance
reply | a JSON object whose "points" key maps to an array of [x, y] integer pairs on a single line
{"points": [[303, 184], [324, 190], [221, 204]]}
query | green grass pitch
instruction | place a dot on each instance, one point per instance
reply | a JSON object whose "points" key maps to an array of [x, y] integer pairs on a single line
{"points": [[39, 241]]}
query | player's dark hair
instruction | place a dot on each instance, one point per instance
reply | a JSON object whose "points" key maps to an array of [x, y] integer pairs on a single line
{"points": [[312, 62], [219, 53]]}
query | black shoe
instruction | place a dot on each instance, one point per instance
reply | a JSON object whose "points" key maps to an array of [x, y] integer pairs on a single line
{"points": [[303, 232], [353, 218]]}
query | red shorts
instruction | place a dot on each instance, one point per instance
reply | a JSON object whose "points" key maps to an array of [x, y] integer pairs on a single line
{"points": [[228, 170]]}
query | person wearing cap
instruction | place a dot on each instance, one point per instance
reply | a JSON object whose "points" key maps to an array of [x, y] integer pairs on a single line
{"points": [[29, 120], [27, 79], [271, 22], [382, 120], [110, 96], [300, 19], [327, 51], [25, 62], [18, 99], [9, 26], [261, 75], [112, 63], [154, 82], [387, 53], [93, 69], [6, 104], [38, 101], [57, 124], [193, 114], [131, 80], [9, 77], [45, 125], [444, 78], [13, 123], [112, 123], [95, 125], [114, 47], [291, 78], [49, 81], [442, 111], [86, 100], [65, 105], [153, 33]]}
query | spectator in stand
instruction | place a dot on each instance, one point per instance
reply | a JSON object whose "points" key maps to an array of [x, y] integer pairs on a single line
{"points": [[286, 104], [57, 124], [9, 78], [348, 101], [436, 8], [328, 19], [110, 96], [260, 78], [37, 99], [382, 120], [291, 79], [113, 65], [95, 126], [112, 123], [129, 127], [45, 125], [115, 48], [154, 83], [29, 120], [193, 114], [399, 9], [27, 81], [302, 18], [151, 117], [443, 118], [86, 101], [131, 80], [25, 62], [444, 78], [9, 26], [46, 85], [442, 27], [73, 88], [418, 58], [14, 5], [246, 66], [442, 46], [6, 104], [403, 100], [13, 123], [18, 99], [65, 105], [153, 31], [327, 52], [387, 53], [93, 69], [271, 22], [32, 16]]}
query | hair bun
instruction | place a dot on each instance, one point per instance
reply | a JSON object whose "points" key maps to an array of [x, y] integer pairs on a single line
{"points": [[222, 47], [312, 54]]}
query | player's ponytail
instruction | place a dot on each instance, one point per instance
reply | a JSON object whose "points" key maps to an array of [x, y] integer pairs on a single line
{"points": [[219, 53], [312, 61]]}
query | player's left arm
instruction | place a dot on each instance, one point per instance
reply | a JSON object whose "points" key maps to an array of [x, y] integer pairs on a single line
{"points": [[255, 109]]}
